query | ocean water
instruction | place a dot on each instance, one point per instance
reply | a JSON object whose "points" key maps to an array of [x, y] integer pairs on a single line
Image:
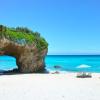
{"points": [[7, 63], [75, 63]]}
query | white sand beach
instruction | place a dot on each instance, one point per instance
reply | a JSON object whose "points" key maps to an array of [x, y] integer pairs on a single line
{"points": [[49, 87]]}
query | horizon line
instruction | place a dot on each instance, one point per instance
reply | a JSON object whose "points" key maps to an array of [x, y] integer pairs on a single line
{"points": [[73, 54]]}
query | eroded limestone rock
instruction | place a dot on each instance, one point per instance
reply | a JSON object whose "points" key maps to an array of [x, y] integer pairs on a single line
{"points": [[28, 57]]}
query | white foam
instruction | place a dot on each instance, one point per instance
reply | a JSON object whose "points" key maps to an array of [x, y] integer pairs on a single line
{"points": [[83, 66]]}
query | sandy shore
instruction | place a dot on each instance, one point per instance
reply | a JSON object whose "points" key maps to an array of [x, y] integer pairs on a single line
{"points": [[49, 87]]}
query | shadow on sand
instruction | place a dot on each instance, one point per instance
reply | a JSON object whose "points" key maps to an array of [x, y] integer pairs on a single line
{"points": [[16, 72]]}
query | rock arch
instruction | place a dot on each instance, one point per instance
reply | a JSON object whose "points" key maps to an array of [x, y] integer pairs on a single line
{"points": [[28, 57]]}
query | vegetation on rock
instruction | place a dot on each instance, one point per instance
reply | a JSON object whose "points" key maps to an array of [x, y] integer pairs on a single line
{"points": [[23, 36]]}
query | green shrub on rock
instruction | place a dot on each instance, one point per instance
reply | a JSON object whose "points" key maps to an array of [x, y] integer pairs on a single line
{"points": [[23, 36]]}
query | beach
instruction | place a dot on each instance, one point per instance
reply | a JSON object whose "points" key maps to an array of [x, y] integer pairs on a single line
{"points": [[49, 87]]}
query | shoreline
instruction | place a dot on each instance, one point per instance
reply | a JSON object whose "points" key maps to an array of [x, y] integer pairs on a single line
{"points": [[46, 71]]}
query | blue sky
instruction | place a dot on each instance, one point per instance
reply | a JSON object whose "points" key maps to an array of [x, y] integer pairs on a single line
{"points": [[69, 26]]}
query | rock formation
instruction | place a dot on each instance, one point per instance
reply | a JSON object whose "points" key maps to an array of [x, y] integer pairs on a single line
{"points": [[29, 58], [28, 47]]}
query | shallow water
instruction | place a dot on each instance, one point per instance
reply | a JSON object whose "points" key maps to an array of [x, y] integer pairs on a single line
{"points": [[7, 63]]}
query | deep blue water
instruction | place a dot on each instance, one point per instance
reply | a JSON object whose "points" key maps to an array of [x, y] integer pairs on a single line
{"points": [[91, 63]]}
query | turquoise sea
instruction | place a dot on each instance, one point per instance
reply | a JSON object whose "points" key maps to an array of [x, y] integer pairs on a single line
{"points": [[75, 63], [7, 63]]}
